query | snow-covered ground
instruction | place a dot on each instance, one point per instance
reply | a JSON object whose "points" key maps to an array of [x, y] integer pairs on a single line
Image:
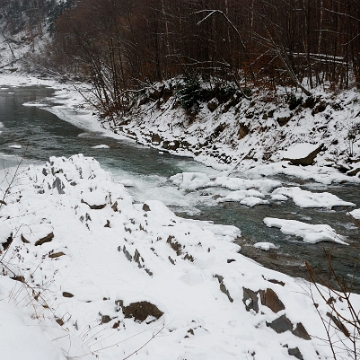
{"points": [[108, 277]]}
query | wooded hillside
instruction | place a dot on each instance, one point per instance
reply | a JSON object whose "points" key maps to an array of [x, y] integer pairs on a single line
{"points": [[122, 44]]}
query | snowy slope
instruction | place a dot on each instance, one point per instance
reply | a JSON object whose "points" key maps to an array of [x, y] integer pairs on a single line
{"points": [[252, 131]]}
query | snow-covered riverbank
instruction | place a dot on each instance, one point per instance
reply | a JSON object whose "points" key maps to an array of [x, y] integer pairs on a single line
{"points": [[249, 131], [104, 276]]}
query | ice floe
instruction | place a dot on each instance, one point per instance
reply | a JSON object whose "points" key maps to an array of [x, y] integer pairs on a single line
{"points": [[306, 198], [102, 146], [310, 233], [15, 146], [266, 246]]}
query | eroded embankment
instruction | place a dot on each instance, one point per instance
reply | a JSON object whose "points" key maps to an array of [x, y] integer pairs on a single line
{"points": [[223, 125]]}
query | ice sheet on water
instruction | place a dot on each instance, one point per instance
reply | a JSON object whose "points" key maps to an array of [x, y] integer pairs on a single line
{"points": [[101, 146], [309, 232], [266, 246], [306, 198], [35, 104]]}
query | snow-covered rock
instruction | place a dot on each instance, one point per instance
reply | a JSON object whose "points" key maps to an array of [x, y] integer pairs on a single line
{"points": [[301, 154]]}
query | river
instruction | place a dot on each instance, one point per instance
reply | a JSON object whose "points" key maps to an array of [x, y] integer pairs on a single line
{"points": [[34, 134]]}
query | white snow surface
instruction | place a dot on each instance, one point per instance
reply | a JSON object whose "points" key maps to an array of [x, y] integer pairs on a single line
{"points": [[118, 251], [309, 232]]}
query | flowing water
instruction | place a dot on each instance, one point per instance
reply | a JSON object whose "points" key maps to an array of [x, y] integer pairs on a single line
{"points": [[146, 173]]}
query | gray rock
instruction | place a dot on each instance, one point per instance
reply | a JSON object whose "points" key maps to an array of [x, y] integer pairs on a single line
{"points": [[281, 324], [59, 186], [295, 352], [251, 300], [223, 288]]}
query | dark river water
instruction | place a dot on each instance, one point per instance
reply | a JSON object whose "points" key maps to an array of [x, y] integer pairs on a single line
{"points": [[146, 172]]}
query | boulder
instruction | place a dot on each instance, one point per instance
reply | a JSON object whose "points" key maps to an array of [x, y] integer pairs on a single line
{"points": [[295, 352], [213, 104], [156, 138], [302, 154], [140, 311], [282, 324], [282, 121], [243, 131], [270, 299]]}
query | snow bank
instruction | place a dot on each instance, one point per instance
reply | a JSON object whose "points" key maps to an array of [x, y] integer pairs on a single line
{"points": [[118, 275]]}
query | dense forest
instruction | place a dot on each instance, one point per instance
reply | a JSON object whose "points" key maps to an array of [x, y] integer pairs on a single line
{"points": [[120, 45]]}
